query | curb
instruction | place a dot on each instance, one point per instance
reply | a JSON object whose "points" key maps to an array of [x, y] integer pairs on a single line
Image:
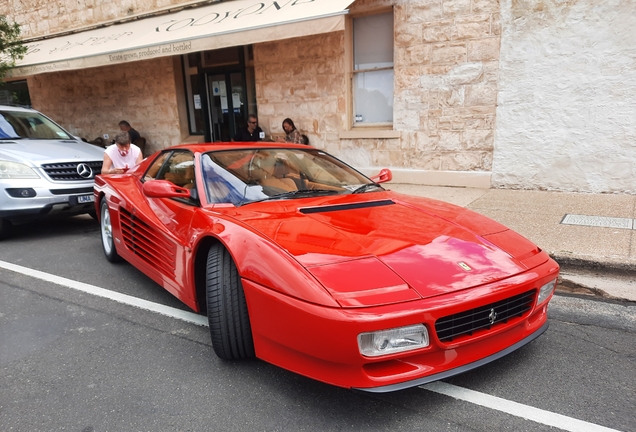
{"points": [[599, 279], [607, 265]]}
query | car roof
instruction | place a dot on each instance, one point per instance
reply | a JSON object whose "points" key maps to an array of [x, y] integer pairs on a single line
{"points": [[218, 146], [17, 108]]}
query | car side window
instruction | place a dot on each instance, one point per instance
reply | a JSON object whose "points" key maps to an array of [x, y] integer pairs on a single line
{"points": [[155, 167], [179, 169]]}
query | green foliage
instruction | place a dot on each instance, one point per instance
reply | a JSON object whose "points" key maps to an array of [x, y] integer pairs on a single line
{"points": [[11, 48]]}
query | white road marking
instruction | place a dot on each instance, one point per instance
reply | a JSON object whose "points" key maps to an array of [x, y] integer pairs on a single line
{"points": [[516, 409], [485, 400], [111, 295]]}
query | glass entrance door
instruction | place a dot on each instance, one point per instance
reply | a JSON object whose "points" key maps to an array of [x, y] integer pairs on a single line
{"points": [[228, 104]]}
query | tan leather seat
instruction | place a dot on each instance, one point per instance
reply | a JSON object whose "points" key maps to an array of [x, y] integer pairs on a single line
{"points": [[265, 174], [285, 184]]}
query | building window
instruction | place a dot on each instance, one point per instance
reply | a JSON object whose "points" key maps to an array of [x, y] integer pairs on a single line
{"points": [[373, 69], [15, 93]]}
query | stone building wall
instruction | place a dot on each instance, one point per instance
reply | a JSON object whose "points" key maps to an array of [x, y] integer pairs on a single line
{"points": [[302, 79], [528, 92], [567, 103], [445, 96], [446, 63], [91, 102], [39, 18]]}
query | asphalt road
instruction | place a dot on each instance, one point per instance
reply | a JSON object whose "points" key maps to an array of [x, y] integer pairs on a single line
{"points": [[78, 362]]}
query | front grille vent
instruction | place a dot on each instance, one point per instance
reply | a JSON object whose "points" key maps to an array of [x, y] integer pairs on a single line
{"points": [[67, 171], [483, 317], [71, 191], [147, 243]]}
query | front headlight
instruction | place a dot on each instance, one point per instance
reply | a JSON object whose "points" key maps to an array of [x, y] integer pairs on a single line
{"points": [[545, 291], [14, 170], [393, 341]]}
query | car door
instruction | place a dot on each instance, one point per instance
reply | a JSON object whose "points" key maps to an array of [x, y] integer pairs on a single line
{"points": [[158, 230]]}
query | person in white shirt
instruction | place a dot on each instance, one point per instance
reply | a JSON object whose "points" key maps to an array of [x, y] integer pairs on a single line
{"points": [[121, 156]]}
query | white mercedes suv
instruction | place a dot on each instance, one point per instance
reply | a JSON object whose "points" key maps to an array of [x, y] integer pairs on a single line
{"points": [[44, 170]]}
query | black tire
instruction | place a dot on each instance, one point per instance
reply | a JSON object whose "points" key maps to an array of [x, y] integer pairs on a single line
{"points": [[229, 320], [5, 228], [106, 232], [93, 214]]}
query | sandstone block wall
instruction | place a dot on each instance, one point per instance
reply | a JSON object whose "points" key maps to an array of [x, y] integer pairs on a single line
{"points": [[446, 59], [39, 18], [446, 70], [91, 102], [532, 91], [302, 79]]}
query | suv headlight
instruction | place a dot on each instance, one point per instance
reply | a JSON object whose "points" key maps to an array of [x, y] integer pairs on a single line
{"points": [[392, 341], [14, 170]]}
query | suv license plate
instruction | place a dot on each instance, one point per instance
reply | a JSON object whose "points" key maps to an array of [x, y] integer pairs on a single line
{"points": [[85, 199]]}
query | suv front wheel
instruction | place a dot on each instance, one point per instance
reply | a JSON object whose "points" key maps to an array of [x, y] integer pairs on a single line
{"points": [[106, 230]]}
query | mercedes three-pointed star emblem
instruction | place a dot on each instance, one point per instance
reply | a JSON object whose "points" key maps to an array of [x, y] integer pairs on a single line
{"points": [[84, 171]]}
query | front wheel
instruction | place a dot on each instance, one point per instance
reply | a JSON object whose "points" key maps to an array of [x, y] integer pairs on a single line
{"points": [[106, 228], [229, 320]]}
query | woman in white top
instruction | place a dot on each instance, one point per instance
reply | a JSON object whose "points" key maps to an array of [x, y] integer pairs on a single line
{"points": [[121, 156]]}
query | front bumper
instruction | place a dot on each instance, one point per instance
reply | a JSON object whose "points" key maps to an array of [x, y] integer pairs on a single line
{"points": [[458, 370], [50, 199], [321, 342]]}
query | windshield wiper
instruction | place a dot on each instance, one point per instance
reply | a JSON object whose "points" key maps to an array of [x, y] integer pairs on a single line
{"points": [[11, 138], [363, 188], [297, 193]]}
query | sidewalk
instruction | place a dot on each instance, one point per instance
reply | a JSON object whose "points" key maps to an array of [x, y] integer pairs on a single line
{"points": [[592, 236]]}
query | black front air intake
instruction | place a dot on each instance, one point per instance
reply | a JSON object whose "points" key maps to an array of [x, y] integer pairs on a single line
{"points": [[343, 207]]}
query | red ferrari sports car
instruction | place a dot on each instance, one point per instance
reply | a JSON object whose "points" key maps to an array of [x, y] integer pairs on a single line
{"points": [[301, 261]]}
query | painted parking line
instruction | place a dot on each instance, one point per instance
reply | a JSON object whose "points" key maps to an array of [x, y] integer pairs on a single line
{"points": [[536, 415], [111, 295], [513, 408]]}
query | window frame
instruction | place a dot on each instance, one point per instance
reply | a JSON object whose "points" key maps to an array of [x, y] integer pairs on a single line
{"points": [[364, 130], [164, 167]]}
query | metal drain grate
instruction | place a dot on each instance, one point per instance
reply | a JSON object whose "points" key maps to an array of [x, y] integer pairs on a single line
{"points": [[599, 221]]}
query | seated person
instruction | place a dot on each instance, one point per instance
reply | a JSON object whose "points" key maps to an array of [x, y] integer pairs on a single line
{"points": [[250, 133], [124, 126], [292, 135]]}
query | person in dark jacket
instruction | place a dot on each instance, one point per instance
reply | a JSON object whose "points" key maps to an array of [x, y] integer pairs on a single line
{"points": [[125, 127], [250, 133]]}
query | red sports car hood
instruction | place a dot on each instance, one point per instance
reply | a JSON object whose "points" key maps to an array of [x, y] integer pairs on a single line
{"points": [[392, 245]]}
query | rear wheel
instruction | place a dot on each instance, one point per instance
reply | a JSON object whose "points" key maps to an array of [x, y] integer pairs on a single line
{"points": [[106, 228], [227, 309], [5, 228]]}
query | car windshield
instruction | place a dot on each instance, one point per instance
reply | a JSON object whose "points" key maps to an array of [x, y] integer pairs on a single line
{"points": [[245, 176], [28, 124]]}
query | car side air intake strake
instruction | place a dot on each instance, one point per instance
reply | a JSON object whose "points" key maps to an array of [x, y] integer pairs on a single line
{"points": [[342, 207], [145, 242], [484, 317]]}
